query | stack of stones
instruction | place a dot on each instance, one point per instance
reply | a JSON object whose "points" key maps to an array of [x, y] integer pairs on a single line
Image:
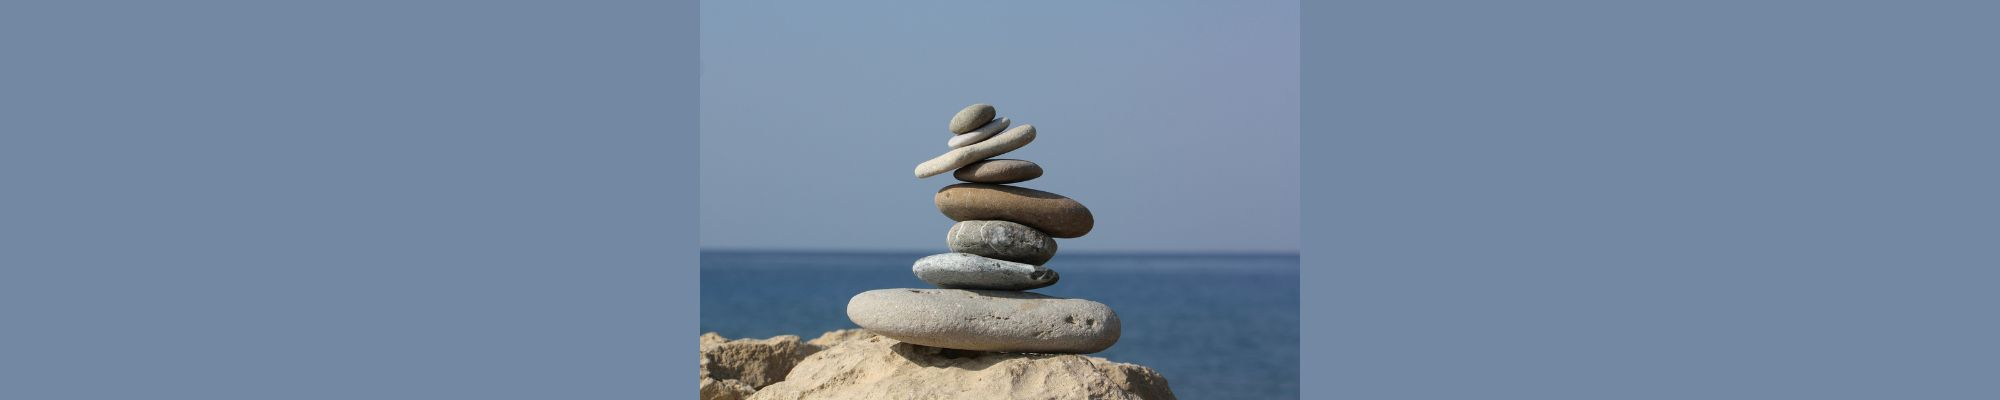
{"points": [[1003, 236]]}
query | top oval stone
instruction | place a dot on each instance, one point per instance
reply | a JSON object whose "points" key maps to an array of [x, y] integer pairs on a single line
{"points": [[972, 117]]}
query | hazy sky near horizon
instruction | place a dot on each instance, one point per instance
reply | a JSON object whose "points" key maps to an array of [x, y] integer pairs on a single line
{"points": [[1176, 123]]}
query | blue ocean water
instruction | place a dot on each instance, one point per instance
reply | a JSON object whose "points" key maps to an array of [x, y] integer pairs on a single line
{"points": [[1218, 326]]}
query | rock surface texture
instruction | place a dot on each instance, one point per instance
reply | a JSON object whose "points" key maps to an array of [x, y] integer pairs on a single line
{"points": [[724, 390], [1001, 240], [1051, 213], [752, 363], [872, 367], [969, 271], [734, 369], [986, 320]]}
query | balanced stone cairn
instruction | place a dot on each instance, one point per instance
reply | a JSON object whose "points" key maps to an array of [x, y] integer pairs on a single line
{"points": [[1003, 236]]}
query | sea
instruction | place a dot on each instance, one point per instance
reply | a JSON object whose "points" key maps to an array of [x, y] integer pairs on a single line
{"points": [[1217, 326]]}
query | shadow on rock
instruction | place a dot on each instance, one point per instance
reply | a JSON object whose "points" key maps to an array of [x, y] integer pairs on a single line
{"points": [[855, 364], [937, 357]]}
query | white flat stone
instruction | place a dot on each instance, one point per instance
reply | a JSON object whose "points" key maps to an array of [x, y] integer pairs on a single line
{"points": [[986, 320], [977, 135], [959, 157]]}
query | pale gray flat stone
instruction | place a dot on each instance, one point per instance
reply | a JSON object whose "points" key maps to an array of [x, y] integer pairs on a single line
{"points": [[986, 320], [977, 135], [1000, 144], [1003, 240], [970, 271]]}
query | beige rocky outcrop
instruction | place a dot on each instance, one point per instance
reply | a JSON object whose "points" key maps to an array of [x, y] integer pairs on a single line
{"points": [[734, 369], [855, 364], [835, 338], [712, 389], [747, 363]]}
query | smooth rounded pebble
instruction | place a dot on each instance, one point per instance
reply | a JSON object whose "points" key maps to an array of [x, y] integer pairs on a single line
{"points": [[969, 271], [1050, 213], [978, 135], [1001, 240], [971, 117], [986, 320], [998, 171], [959, 157]]}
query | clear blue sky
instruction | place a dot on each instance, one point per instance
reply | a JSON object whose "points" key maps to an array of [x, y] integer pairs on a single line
{"points": [[1175, 122]]}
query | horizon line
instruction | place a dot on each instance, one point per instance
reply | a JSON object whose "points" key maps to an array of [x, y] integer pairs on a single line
{"points": [[706, 249]]}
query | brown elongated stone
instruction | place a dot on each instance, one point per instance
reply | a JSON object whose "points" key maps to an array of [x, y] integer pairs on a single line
{"points": [[1053, 214]]}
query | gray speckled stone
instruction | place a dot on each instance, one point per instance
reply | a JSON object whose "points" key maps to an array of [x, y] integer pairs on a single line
{"points": [[971, 117], [1002, 240], [977, 135], [1000, 144], [970, 271], [986, 320], [998, 171]]}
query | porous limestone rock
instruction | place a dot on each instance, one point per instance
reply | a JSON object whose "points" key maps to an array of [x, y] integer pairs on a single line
{"points": [[752, 362], [712, 389], [733, 369], [874, 367]]}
